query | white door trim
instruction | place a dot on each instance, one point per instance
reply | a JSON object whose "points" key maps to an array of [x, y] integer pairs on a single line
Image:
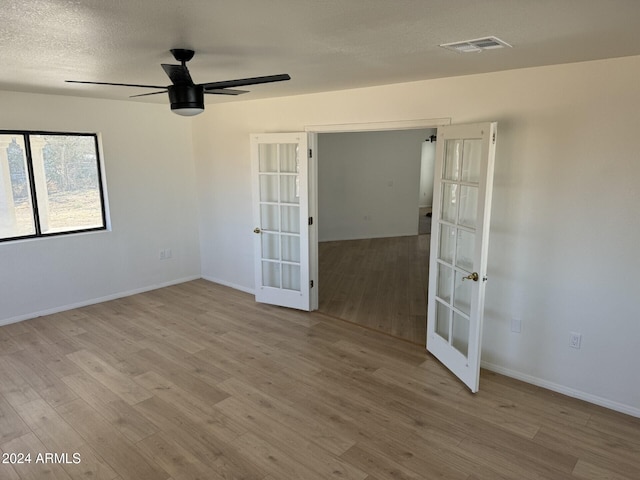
{"points": [[378, 126], [312, 171]]}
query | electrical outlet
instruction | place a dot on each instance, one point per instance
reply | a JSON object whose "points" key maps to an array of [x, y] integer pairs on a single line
{"points": [[516, 325], [575, 339], [168, 253], [162, 254]]}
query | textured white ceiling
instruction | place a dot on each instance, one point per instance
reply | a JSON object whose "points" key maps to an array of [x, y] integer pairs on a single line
{"points": [[323, 44]]}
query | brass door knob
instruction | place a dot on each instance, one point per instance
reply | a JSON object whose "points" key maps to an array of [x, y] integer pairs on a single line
{"points": [[257, 230], [472, 276]]}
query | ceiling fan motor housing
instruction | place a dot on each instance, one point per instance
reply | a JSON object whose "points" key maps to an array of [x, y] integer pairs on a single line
{"points": [[186, 96]]}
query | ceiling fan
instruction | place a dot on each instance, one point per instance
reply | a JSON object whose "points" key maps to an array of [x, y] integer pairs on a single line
{"points": [[186, 97]]}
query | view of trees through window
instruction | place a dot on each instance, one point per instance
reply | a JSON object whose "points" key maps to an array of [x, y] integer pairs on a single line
{"points": [[49, 183]]}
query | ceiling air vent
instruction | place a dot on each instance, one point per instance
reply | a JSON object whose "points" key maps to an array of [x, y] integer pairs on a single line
{"points": [[476, 45]]}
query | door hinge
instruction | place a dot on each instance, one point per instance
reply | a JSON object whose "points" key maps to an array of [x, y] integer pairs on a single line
{"points": [[494, 138], [310, 220], [310, 153], [311, 284]]}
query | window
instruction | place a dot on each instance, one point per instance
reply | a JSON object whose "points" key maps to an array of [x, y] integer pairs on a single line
{"points": [[50, 184]]}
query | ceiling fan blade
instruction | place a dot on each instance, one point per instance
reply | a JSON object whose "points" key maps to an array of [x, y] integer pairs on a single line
{"points": [[147, 94], [225, 91], [117, 84], [179, 74], [245, 81]]}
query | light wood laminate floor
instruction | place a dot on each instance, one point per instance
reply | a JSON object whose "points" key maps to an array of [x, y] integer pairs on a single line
{"points": [[197, 381], [380, 283]]}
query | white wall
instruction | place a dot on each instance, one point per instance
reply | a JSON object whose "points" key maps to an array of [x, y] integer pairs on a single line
{"points": [[151, 190], [565, 226], [368, 184]]}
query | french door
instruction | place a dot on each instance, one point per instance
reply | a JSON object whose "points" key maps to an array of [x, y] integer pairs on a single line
{"points": [[281, 219], [459, 245]]}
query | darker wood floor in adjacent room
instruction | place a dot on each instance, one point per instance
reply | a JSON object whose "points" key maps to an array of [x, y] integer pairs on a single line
{"points": [[197, 381], [380, 283]]}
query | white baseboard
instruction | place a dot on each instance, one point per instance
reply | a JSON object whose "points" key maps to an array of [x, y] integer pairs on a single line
{"points": [[93, 301], [229, 284], [570, 392]]}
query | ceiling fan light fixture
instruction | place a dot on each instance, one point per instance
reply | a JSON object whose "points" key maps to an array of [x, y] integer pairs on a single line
{"points": [[187, 112], [186, 100]]}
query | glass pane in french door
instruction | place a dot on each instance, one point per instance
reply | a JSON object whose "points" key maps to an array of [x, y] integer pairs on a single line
{"points": [[443, 320], [472, 160], [279, 184], [460, 333]]}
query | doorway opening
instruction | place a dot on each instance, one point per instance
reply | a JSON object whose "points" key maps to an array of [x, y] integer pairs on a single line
{"points": [[375, 192], [285, 183]]}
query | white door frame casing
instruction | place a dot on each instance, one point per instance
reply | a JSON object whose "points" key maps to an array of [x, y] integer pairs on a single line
{"points": [[378, 126]]}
